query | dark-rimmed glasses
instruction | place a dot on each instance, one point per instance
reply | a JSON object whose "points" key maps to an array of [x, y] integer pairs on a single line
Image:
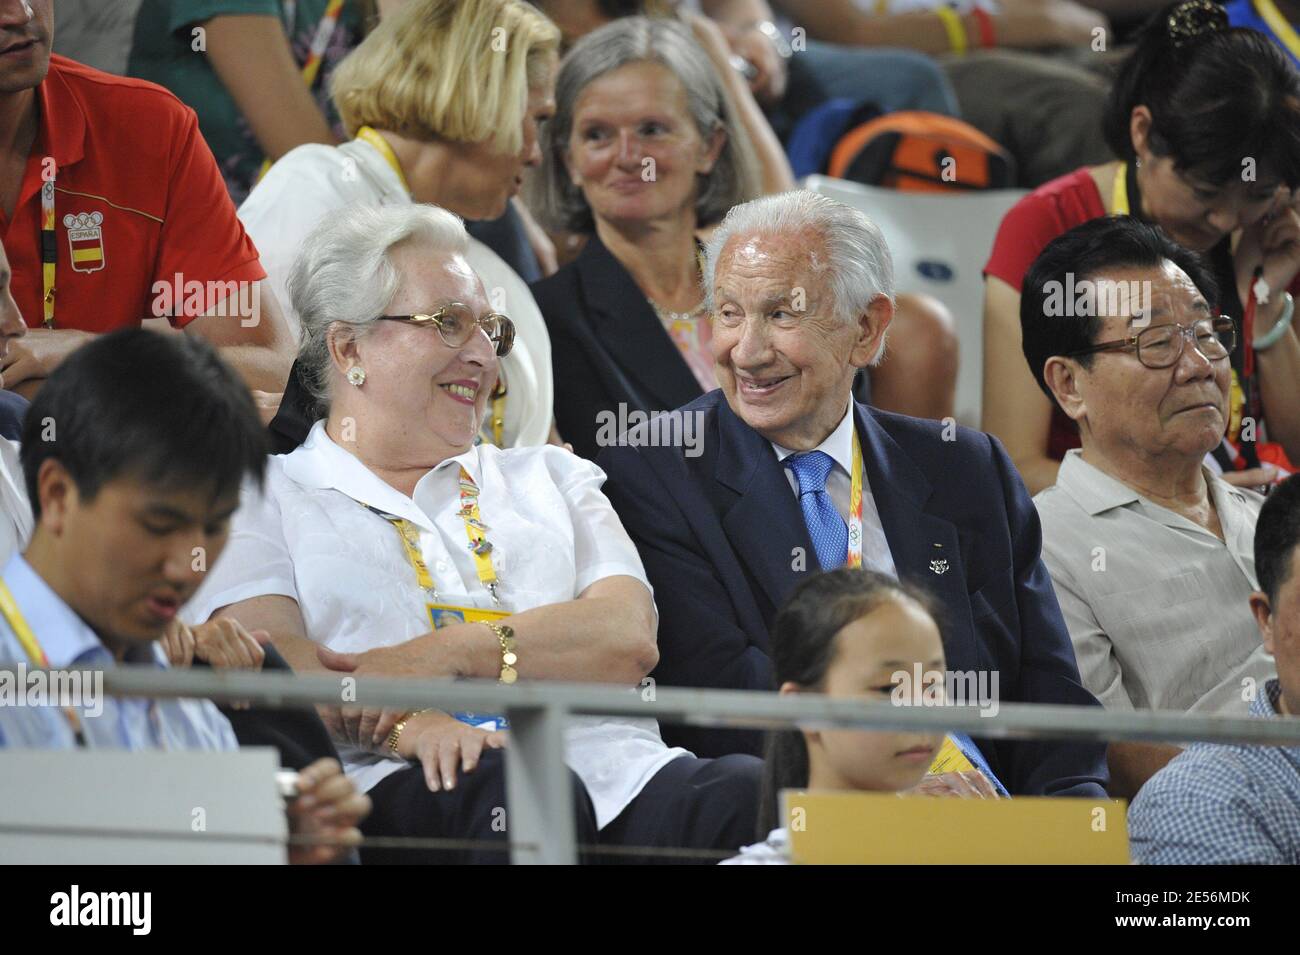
{"points": [[1162, 345], [456, 323]]}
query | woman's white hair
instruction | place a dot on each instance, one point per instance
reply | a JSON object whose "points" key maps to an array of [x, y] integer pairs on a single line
{"points": [[856, 255], [344, 275]]}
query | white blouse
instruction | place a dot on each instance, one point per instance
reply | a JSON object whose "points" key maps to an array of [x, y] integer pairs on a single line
{"points": [[314, 180], [553, 534]]}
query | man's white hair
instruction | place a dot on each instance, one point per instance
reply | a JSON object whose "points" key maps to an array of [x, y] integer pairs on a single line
{"points": [[854, 252]]}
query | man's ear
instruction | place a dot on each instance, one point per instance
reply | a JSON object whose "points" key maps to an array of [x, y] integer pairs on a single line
{"points": [[1062, 377], [1263, 613], [1139, 131], [57, 492], [872, 326], [341, 339]]}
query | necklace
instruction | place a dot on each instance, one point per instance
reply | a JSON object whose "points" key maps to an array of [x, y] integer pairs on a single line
{"points": [[669, 317]]}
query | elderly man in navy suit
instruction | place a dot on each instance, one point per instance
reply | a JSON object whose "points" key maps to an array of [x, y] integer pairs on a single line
{"points": [[789, 475]]}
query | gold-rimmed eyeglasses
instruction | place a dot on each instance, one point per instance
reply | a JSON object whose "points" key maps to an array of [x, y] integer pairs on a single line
{"points": [[456, 323], [1162, 345]]}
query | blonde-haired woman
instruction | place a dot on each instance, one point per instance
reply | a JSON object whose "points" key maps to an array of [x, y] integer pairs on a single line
{"points": [[443, 101]]}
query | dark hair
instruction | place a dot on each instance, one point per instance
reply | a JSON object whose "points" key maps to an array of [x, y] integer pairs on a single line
{"points": [[1089, 251], [1217, 94], [162, 408], [803, 646], [1277, 535]]}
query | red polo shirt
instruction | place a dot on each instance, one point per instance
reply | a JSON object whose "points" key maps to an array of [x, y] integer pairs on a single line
{"points": [[138, 200]]}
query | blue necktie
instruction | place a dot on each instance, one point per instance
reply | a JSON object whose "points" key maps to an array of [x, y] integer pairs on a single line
{"points": [[829, 533]]}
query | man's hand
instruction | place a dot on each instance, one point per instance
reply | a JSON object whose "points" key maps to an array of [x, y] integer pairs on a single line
{"points": [[445, 746], [38, 353], [969, 784], [327, 807], [222, 643]]}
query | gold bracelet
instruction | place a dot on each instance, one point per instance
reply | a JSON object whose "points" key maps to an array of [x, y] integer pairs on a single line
{"points": [[506, 636], [396, 732]]}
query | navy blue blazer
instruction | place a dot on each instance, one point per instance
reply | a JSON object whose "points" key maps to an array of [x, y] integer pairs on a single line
{"points": [[717, 533]]}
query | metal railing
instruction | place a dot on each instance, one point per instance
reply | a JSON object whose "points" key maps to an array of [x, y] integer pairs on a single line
{"points": [[540, 798]]}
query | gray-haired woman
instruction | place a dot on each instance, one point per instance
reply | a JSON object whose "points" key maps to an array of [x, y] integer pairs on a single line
{"points": [[643, 153], [390, 543]]}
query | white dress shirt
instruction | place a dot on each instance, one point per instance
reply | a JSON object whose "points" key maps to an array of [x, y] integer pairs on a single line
{"points": [[839, 485], [132, 723], [15, 511], [314, 180], [553, 534], [1156, 605]]}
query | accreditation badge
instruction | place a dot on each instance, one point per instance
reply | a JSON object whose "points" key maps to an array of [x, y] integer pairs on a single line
{"points": [[445, 615]]}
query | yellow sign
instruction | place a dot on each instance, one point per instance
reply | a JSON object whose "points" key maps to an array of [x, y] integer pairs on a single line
{"points": [[853, 828]]}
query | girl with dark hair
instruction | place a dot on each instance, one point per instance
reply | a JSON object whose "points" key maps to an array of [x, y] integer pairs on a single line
{"points": [[854, 634], [1205, 120]]}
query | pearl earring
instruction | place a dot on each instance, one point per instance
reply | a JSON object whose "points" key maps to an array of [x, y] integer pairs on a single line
{"points": [[356, 376]]}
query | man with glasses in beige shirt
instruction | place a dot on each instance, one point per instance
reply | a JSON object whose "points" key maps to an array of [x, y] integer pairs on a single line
{"points": [[1150, 553]]}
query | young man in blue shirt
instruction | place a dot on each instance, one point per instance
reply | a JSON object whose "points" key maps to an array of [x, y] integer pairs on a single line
{"points": [[132, 480]]}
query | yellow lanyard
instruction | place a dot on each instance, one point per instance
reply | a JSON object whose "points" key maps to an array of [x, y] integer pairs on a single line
{"points": [[410, 536], [479, 546], [855, 506], [475, 530], [494, 428], [1119, 191], [18, 624], [49, 251], [1285, 33], [380, 144]]}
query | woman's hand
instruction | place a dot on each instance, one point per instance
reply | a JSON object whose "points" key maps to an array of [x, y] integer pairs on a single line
{"points": [[968, 784], [366, 727], [1254, 478], [445, 747], [1055, 23], [327, 807], [769, 83], [1274, 243]]}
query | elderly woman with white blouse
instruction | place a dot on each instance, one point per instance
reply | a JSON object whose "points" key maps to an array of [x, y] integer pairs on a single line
{"points": [[391, 521]]}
